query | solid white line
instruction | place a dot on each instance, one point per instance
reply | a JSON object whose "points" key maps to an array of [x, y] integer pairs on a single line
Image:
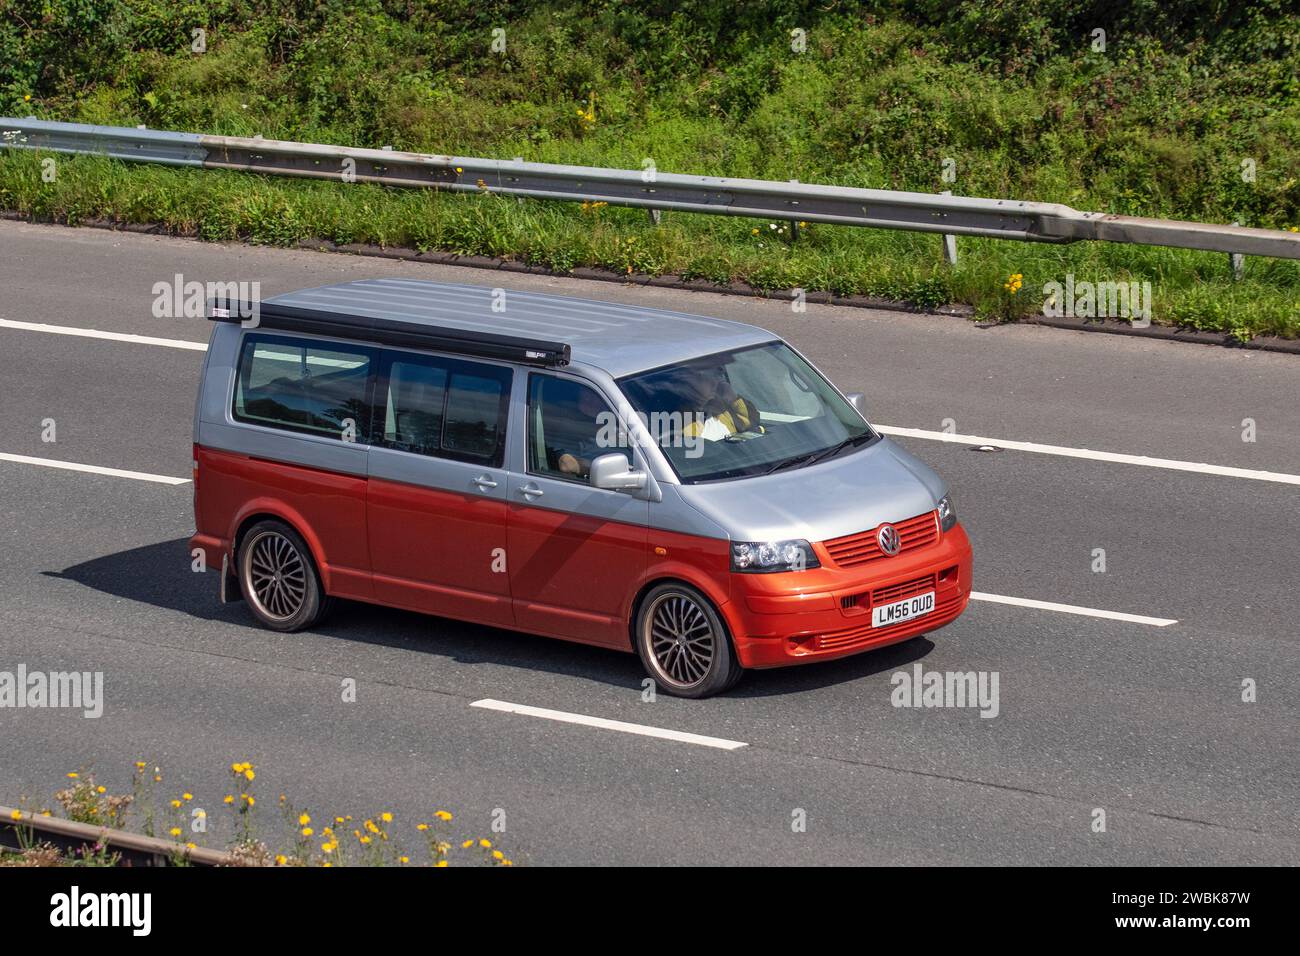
{"points": [[604, 724], [1067, 452], [1072, 609], [94, 469], [111, 336]]}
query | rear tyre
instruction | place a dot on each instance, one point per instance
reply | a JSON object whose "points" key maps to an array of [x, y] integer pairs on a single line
{"points": [[279, 579], [683, 643]]}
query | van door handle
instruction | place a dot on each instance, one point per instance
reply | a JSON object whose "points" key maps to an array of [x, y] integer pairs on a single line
{"points": [[531, 491], [485, 482]]}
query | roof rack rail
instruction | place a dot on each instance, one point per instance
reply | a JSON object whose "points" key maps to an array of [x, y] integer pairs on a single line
{"points": [[388, 332]]}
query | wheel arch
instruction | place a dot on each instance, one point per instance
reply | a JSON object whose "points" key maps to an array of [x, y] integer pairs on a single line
{"points": [[258, 514], [651, 583]]}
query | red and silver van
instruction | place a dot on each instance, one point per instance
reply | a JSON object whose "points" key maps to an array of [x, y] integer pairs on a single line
{"points": [[690, 489]]}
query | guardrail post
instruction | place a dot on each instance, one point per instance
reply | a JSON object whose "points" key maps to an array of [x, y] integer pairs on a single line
{"points": [[1238, 262], [654, 216], [794, 223], [949, 241]]}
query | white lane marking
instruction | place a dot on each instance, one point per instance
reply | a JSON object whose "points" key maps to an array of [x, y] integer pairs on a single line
{"points": [[94, 469], [1072, 609], [97, 334], [605, 724], [1067, 452]]}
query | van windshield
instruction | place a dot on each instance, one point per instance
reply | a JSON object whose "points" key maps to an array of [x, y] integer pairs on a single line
{"points": [[742, 413]]}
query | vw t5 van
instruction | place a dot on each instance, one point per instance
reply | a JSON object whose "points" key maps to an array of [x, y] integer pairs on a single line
{"points": [[685, 488]]}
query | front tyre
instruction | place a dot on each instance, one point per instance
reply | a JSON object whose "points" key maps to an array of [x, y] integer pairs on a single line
{"points": [[683, 643], [278, 578]]}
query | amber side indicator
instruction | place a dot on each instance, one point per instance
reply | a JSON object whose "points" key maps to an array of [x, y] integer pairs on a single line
{"points": [[661, 551]]}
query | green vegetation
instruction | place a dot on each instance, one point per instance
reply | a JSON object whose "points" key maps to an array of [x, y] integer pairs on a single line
{"points": [[1157, 124]]}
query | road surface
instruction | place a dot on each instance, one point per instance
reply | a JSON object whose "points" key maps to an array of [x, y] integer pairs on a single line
{"points": [[1143, 721]]}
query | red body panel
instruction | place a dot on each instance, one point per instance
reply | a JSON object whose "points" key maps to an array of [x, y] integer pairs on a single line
{"points": [[434, 551], [570, 576], [326, 508]]}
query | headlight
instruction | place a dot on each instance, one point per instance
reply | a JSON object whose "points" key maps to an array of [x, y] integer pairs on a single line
{"points": [[758, 557], [947, 513]]}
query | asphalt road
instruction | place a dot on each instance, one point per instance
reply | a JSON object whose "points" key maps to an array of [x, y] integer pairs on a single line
{"points": [[1146, 723]]}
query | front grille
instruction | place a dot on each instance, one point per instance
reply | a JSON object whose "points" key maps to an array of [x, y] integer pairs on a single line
{"points": [[896, 592], [855, 550]]}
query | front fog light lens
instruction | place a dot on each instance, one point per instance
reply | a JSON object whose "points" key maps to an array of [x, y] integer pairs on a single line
{"points": [[947, 513], [767, 556]]}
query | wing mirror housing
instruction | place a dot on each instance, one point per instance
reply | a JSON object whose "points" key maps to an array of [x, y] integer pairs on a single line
{"points": [[613, 473]]}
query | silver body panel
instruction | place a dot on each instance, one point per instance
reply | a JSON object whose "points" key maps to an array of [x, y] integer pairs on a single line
{"points": [[854, 492]]}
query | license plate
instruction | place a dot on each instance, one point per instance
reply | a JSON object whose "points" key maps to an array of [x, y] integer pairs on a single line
{"points": [[905, 610]]}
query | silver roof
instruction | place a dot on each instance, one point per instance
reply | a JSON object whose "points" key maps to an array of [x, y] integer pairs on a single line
{"points": [[621, 339]]}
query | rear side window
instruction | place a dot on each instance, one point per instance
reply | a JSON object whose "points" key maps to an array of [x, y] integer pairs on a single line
{"points": [[417, 395], [476, 412], [315, 388], [444, 407]]}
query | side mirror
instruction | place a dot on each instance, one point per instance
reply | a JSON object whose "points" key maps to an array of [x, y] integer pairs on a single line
{"points": [[858, 401], [613, 473]]}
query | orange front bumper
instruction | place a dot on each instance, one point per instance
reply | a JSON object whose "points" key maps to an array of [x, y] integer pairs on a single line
{"points": [[795, 617]]}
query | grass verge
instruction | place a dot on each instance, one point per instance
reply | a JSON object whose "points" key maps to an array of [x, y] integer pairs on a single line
{"points": [[1190, 289]]}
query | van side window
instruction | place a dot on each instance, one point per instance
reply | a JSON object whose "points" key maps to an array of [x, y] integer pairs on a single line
{"points": [[304, 387], [569, 424], [477, 402], [417, 393], [444, 407]]}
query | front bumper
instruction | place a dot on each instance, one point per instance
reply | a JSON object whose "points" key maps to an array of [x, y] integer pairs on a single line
{"points": [[796, 617]]}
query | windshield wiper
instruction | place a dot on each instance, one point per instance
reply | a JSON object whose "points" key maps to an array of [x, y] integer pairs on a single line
{"points": [[836, 449], [819, 455], [790, 462]]}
